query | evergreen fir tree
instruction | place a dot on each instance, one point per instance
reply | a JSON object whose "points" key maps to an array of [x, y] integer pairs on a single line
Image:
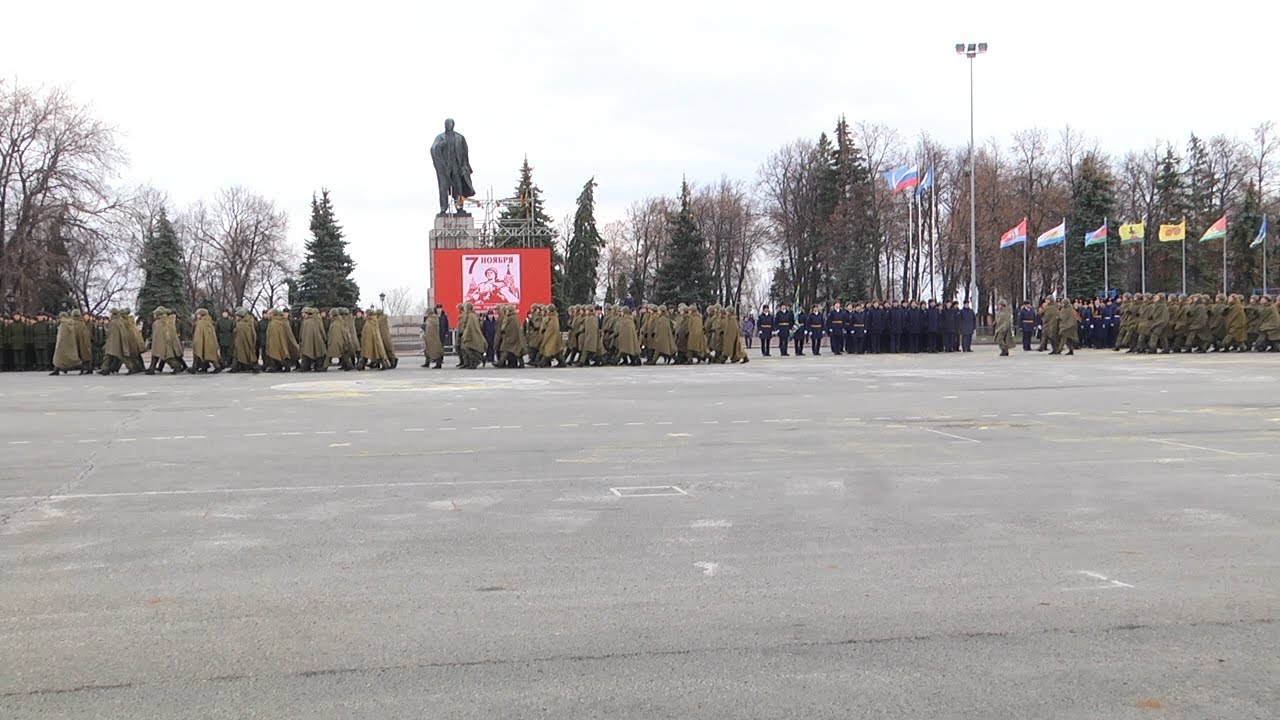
{"points": [[1164, 260], [531, 208], [1244, 263], [1204, 267], [584, 250], [324, 280], [683, 276], [853, 224], [1092, 201], [164, 279]]}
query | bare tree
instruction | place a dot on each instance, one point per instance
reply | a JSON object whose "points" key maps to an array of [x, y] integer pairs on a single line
{"points": [[236, 249], [400, 301], [56, 161]]}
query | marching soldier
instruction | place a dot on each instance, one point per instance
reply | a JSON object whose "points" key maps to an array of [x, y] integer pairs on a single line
{"points": [[226, 329], [814, 326], [1004, 329], [783, 322]]}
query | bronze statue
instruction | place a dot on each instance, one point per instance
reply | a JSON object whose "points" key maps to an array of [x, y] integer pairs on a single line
{"points": [[453, 169]]}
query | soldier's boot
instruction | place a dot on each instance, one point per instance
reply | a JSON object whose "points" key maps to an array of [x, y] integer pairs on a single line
{"points": [[218, 367], [179, 365], [197, 365], [361, 364], [55, 372], [155, 361], [1004, 352], [86, 369]]}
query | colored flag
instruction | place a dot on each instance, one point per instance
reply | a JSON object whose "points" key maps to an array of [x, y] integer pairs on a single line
{"points": [[1016, 234], [926, 183], [1052, 236], [1173, 233], [1216, 231], [901, 178], [1132, 233], [1262, 234], [1097, 237]]}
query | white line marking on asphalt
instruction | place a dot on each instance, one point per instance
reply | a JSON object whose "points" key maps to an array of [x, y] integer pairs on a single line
{"points": [[197, 437], [1018, 415], [711, 524], [127, 440], [1102, 578], [1197, 447], [662, 490], [255, 434], [415, 429], [741, 422], [19, 442], [957, 437], [663, 423], [950, 397], [82, 441], [710, 422], [601, 424], [357, 432], [633, 423], [326, 432], [449, 429], [339, 444], [708, 568], [510, 427], [484, 427], [568, 424], [290, 433], [1058, 414], [679, 435], [162, 437]]}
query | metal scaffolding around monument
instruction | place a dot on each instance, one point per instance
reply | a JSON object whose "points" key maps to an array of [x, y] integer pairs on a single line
{"points": [[493, 230]]}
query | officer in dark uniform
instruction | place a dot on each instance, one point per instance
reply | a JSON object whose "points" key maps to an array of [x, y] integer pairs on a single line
{"points": [[814, 327], [933, 327], [897, 326], [835, 329], [802, 321], [968, 325], [764, 326], [783, 322], [226, 329], [915, 326], [1111, 321], [950, 326], [876, 327], [856, 343], [263, 322], [1027, 322], [6, 352]]}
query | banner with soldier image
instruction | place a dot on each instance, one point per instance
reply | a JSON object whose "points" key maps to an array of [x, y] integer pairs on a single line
{"points": [[490, 280]]}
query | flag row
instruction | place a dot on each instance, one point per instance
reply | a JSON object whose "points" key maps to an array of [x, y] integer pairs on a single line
{"points": [[1130, 233], [907, 177]]}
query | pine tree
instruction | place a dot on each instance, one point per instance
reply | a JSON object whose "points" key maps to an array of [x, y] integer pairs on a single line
{"points": [[1164, 260], [1244, 263], [584, 250], [852, 223], [1204, 267], [534, 231], [324, 280], [683, 276], [164, 279], [1092, 201]]}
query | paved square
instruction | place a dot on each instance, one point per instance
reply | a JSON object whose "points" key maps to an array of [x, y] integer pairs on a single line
{"points": [[957, 536]]}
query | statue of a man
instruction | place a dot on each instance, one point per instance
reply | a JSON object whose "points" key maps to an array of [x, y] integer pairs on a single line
{"points": [[453, 168]]}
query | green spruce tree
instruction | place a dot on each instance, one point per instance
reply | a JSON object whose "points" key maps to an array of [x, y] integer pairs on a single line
{"points": [[1244, 263], [324, 280], [1164, 260], [852, 224], [584, 250], [683, 276], [164, 279], [1092, 201], [527, 224]]}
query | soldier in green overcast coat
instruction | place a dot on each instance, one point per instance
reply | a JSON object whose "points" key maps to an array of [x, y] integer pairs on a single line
{"points": [[1048, 326], [1004, 329]]}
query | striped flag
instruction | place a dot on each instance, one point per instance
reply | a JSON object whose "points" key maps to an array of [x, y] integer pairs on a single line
{"points": [[1216, 231], [926, 183], [1052, 236], [1097, 237], [1014, 235], [902, 178], [1262, 234]]}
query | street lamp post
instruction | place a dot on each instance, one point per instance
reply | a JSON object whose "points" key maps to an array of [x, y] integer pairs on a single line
{"points": [[382, 301], [971, 51]]}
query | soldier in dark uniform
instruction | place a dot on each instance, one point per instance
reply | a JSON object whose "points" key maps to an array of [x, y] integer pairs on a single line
{"points": [[915, 327], [951, 326], [764, 326], [933, 327], [20, 337], [876, 327], [856, 343], [814, 327], [783, 323], [260, 327], [40, 341], [835, 329], [6, 351], [1027, 321], [897, 326], [968, 325]]}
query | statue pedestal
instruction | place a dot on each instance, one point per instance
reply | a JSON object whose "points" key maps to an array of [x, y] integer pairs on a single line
{"points": [[453, 232]]}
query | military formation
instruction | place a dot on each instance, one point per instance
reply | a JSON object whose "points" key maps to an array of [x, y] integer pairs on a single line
{"points": [[313, 340]]}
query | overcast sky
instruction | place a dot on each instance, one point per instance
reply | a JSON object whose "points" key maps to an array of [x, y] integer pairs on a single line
{"points": [[285, 98]]}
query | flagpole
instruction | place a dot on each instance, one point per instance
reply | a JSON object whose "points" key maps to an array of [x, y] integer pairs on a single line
{"points": [[933, 229], [1184, 258], [1106, 267], [1143, 256], [1064, 259], [1264, 258], [1224, 263], [1024, 270]]}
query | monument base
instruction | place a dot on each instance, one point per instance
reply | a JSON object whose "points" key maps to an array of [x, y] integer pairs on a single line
{"points": [[452, 232]]}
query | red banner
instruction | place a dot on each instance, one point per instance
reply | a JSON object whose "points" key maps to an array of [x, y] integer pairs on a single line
{"points": [[488, 278]]}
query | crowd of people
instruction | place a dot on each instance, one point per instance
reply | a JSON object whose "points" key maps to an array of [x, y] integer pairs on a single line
{"points": [[314, 340]]}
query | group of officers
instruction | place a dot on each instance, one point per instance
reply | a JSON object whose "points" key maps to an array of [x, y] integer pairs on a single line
{"points": [[353, 339]]}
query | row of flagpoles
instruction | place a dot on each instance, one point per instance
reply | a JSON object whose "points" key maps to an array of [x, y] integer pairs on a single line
{"points": [[907, 177], [1134, 234]]}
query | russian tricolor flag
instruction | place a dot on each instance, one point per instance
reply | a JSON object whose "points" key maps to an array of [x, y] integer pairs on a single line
{"points": [[1016, 234], [899, 179]]}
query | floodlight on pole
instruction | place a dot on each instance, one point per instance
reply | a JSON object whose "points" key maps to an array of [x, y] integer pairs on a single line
{"points": [[971, 51]]}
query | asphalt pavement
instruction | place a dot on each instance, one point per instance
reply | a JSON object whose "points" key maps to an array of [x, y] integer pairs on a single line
{"points": [[958, 536]]}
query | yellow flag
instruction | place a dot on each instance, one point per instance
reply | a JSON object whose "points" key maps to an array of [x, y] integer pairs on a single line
{"points": [[1173, 233], [1132, 233]]}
